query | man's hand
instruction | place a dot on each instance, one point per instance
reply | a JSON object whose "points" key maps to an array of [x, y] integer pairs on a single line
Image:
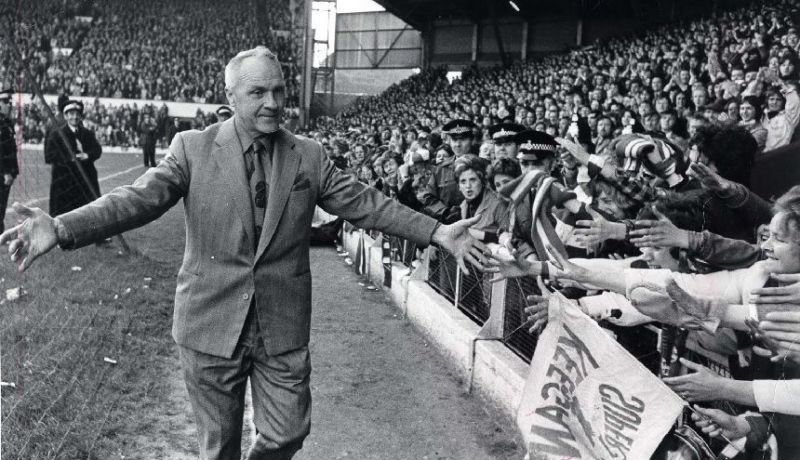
{"points": [[597, 230], [8, 179], [788, 293], [701, 385], [717, 423], [33, 237], [456, 239], [82, 156], [709, 179], [659, 233]]}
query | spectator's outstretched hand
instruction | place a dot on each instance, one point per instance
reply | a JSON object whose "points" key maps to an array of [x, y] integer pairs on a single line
{"points": [[700, 385], [717, 423], [709, 179], [659, 233], [575, 149], [515, 266], [788, 292], [598, 230], [781, 329], [457, 240], [32, 237], [537, 308]]}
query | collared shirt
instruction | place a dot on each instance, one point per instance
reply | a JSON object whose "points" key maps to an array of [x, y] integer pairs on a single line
{"points": [[245, 139]]}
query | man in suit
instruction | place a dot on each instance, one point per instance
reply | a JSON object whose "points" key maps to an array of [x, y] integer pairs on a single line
{"points": [[72, 150], [243, 297]]}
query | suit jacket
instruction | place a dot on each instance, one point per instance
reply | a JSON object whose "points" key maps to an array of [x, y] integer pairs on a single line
{"points": [[221, 271]]}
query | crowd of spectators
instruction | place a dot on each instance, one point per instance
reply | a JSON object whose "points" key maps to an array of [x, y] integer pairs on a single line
{"points": [[114, 126], [152, 50], [726, 69], [640, 152]]}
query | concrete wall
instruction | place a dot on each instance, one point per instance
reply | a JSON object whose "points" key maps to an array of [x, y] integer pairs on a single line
{"points": [[497, 375]]}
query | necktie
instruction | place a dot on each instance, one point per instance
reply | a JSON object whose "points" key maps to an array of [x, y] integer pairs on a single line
{"points": [[258, 161]]}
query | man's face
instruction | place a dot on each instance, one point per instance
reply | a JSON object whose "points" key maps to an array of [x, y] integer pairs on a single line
{"points": [[460, 145], [747, 112], [699, 98], [258, 95], [684, 76], [529, 119], [694, 125], [73, 118], [662, 105], [505, 149], [657, 84], [604, 127], [774, 102], [358, 154], [650, 122], [667, 122], [536, 165]]}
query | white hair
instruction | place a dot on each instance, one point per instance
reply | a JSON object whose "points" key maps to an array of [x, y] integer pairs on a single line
{"points": [[232, 69]]}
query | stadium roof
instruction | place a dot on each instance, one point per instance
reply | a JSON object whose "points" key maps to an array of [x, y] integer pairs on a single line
{"points": [[418, 12]]}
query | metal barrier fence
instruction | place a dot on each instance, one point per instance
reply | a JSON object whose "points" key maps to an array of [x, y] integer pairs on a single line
{"points": [[518, 339], [472, 294], [402, 251]]}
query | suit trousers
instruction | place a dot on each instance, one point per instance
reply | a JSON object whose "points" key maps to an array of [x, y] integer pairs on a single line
{"points": [[280, 392]]}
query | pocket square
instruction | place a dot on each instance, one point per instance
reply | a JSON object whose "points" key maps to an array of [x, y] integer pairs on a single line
{"points": [[301, 183]]}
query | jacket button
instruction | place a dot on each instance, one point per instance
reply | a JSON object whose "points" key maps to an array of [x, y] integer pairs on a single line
{"points": [[245, 296]]}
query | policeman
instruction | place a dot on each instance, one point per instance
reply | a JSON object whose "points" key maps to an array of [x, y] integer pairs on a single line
{"points": [[224, 112], [504, 139], [8, 152], [441, 198]]}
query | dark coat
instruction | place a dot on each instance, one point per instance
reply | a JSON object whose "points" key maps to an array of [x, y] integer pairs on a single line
{"points": [[68, 188], [441, 198], [8, 148], [147, 137]]}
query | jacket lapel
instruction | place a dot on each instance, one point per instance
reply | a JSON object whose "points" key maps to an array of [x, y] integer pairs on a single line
{"points": [[230, 161], [285, 163]]}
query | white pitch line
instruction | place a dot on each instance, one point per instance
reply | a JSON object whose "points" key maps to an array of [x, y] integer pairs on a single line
{"points": [[37, 201]]}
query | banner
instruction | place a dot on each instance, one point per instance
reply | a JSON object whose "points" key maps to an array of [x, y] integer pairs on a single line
{"points": [[586, 397]]}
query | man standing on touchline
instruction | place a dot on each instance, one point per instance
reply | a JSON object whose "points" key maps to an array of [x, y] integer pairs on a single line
{"points": [[243, 296]]}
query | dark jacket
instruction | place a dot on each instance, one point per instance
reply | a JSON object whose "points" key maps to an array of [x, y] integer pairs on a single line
{"points": [[8, 148], [441, 198]]}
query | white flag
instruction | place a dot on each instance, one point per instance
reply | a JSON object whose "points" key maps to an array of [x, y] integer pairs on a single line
{"points": [[586, 397]]}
